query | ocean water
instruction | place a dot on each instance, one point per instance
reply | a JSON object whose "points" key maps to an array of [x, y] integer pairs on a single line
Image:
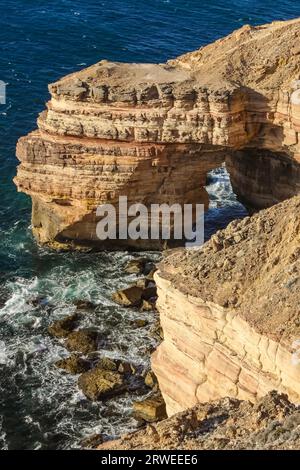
{"points": [[40, 407]]}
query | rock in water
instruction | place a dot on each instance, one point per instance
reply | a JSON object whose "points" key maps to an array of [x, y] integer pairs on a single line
{"points": [[84, 341], [62, 328], [130, 297], [73, 364], [152, 409], [138, 266], [106, 363], [98, 384], [84, 305]]}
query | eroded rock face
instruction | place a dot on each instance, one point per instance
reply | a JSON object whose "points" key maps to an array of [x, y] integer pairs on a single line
{"points": [[152, 132], [230, 313]]}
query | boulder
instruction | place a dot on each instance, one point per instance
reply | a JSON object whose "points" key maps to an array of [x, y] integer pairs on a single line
{"points": [[130, 297], [149, 293], [62, 328], [73, 364], [106, 363], [151, 409], [98, 384], [139, 323], [139, 266], [84, 341]]}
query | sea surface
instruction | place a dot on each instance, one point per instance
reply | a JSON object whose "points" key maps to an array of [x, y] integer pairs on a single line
{"points": [[40, 407]]}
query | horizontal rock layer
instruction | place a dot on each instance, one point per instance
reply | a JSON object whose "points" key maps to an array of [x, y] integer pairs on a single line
{"points": [[152, 131]]}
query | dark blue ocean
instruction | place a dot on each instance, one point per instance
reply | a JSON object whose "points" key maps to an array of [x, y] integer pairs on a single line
{"points": [[40, 407]]}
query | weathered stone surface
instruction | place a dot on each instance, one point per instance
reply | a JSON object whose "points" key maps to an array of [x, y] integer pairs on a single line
{"points": [[73, 364], [84, 341], [230, 313], [228, 423], [151, 380], [151, 409], [130, 297], [139, 266], [62, 328], [98, 384], [106, 363], [153, 131]]}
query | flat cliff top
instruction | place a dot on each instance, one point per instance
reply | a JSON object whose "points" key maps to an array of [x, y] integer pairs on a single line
{"points": [[252, 267], [261, 57], [272, 423]]}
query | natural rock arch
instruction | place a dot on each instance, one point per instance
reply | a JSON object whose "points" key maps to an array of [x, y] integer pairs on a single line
{"points": [[153, 131]]}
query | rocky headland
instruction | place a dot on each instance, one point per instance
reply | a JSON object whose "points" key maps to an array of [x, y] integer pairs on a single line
{"points": [[228, 367], [151, 132]]}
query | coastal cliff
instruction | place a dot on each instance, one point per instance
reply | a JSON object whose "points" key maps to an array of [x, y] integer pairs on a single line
{"points": [[230, 313], [229, 310], [151, 132]]}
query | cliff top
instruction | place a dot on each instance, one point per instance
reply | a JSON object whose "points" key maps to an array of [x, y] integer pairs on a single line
{"points": [[272, 423], [252, 267], [262, 57]]}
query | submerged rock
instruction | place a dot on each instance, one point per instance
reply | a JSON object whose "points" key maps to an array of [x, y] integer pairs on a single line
{"points": [[98, 384], [139, 323], [105, 363], [151, 409], [139, 266], [84, 341], [73, 364], [135, 295], [84, 305], [62, 328]]}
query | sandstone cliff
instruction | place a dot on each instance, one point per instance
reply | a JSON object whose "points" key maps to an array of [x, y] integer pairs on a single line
{"points": [[230, 313], [152, 132]]}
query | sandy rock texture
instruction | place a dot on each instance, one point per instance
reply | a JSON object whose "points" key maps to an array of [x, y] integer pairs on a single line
{"points": [[151, 132]]}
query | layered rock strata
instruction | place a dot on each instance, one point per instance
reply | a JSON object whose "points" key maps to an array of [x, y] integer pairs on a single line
{"points": [[230, 313], [151, 132]]}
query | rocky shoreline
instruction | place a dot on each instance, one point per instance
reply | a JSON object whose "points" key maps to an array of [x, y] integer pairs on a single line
{"points": [[229, 311], [101, 377]]}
